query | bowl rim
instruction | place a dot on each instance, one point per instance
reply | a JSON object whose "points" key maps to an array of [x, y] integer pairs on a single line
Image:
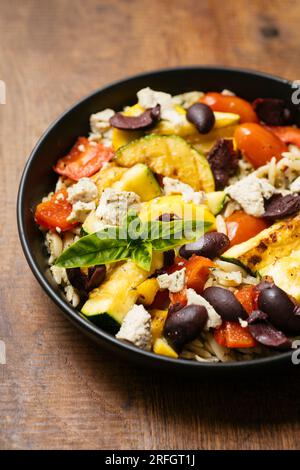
{"points": [[70, 312]]}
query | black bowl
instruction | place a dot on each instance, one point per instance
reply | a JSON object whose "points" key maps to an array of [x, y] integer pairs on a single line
{"points": [[38, 179]]}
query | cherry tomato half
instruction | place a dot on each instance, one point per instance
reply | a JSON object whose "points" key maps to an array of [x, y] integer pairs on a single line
{"points": [[258, 144], [242, 226], [230, 104], [288, 134], [55, 212], [84, 159]]}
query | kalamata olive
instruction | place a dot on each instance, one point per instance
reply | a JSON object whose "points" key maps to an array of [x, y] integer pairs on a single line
{"points": [[166, 217], [223, 161], [184, 325], [263, 285], [210, 245], [273, 111], [265, 333], [169, 258], [225, 303], [201, 116], [278, 206], [96, 275], [282, 311], [145, 120], [85, 283], [77, 278]]}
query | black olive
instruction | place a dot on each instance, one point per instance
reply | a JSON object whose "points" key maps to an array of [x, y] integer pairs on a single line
{"points": [[184, 325], [209, 245], [166, 217], [85, 283], [169, 258], [278, 206], [131, 123], [77, 278], [282, 311], [96, 275], [201, 116], [265, 333], [273, 111], [225, 303]]}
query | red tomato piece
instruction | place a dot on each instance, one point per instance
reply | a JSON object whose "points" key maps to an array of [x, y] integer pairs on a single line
{"points": [[230, 104], [246, 296], [55, 212], [242, 226], [84, 159], [258, 144], [288, 134]]}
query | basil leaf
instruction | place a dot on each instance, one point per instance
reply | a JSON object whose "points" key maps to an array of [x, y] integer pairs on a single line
{"points": [[190, 231], [98, 248], [180, 229], [142, 255]]}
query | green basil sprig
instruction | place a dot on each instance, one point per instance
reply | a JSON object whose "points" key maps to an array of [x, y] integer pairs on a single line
{"points": [[134, 239]]}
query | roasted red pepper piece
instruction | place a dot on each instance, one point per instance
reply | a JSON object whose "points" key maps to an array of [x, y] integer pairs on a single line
{"points": [[84, 159], [54, 213], [233, 335]]}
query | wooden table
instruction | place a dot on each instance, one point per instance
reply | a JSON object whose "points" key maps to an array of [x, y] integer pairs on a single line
{"points": [[58, 390]]}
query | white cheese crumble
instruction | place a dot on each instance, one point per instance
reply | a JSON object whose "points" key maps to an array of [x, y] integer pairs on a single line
{"points": [[250, 193], [148, 98], [136, 328], [214, 319], [114, 205], [175, 282], [82, 196], [187, 99], [84, 190], [99, 122], [81, 210], [174, 186]]}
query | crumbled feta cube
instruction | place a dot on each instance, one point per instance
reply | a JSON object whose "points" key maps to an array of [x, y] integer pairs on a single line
{"points": [[84, 190], [80, 211], [99, 122], [214, 319], [136, 328], [175, 282], [187, 99], [149, 98], [174, 186], [250, 193], [114, 205]]}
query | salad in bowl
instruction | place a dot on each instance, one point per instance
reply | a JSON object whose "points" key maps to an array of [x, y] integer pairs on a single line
{"points": [[174, 225]]}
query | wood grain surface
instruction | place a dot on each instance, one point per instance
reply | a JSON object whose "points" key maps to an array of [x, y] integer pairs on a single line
{"points": [[57, 389]]}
